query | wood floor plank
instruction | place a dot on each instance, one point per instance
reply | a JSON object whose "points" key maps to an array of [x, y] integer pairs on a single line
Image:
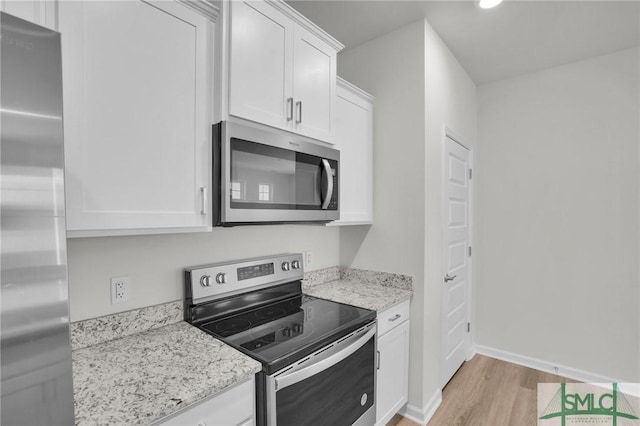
{"points": [[489, 392], [524, 408], [501, 393], [398, 420]]}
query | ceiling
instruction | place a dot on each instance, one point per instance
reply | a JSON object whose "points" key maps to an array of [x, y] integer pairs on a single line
{"points": [[515, 38]]}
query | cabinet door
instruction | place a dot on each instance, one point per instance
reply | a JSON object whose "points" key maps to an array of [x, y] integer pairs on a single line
{"points": [[41, 12], [314, 86], [354, 126], [137, 116], [260, 64], [393, 373], [233, 407]]}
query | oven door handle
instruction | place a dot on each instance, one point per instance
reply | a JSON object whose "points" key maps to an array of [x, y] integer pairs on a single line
{"points": [[327, 184], [325, 360]]}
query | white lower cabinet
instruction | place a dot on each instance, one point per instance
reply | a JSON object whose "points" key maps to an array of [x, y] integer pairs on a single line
{"points": [[392, 386], [233, 407]]}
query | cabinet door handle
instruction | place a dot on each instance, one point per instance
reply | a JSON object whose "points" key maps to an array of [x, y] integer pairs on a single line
{"points": [[289, 109], [377, 360], [395, 317], [299, 108], [203, 193]]}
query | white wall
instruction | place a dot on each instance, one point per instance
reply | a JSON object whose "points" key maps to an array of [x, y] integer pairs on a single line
{"points": [[419, 87], [392, 69], [558, 216], [450, 101], [154, 262]]}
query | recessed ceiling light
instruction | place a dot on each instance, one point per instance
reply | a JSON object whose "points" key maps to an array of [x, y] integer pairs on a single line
{"points": [[488, 4]]}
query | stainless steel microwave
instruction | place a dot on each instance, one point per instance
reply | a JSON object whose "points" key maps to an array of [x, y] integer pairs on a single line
{"points": [[263, 176]]}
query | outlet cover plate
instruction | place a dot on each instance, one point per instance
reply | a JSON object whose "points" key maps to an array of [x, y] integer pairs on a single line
{"points": [[119, 289]]}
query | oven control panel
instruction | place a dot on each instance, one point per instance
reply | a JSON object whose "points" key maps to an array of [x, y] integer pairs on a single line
{"points": [[218, 280], [256, 271]]}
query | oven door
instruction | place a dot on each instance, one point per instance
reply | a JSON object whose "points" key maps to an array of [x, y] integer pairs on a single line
{"points": [[333, 386], [269, 176]]}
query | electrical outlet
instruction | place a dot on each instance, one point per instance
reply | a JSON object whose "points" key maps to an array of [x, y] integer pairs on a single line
{"points": [[119, 289], [308, 258]]}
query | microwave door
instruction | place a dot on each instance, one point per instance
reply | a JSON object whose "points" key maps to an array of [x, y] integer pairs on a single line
{"points": [[261, 181], [272, 184], [266, 176]]}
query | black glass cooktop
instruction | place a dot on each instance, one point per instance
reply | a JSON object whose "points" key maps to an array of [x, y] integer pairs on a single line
{"points": [[280, 333]]}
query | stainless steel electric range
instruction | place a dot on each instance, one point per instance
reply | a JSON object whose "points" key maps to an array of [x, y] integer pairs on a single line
{"points": [[318, 356]]}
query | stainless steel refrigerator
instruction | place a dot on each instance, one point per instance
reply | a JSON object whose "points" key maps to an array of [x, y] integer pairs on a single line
{"points": [[35, 356]]}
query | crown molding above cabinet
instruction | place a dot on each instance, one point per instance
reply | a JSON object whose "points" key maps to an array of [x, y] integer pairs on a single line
{"points": [[204, 7], [302, 21]]}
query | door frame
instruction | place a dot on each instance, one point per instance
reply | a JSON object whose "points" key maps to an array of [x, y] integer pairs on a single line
{"points": [[457, 138]]}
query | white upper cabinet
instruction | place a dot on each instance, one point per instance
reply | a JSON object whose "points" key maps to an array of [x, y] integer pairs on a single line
{"points": [[282, 69], [138, 112], [41, 12], [260, 60], [354, 139], [314, 86]]}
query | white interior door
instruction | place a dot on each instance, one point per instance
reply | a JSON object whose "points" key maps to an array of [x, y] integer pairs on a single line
{"points": [[455, 292]]}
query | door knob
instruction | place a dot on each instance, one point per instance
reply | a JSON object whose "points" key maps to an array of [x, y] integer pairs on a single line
{"points": [[448, 278]]}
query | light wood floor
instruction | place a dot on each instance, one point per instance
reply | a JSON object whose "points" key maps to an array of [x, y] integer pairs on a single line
{"points": [[488, 392]]}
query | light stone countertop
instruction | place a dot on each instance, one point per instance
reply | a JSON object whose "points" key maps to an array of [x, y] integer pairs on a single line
{"points": [[139, 366], [371, 290], [115, 326], [141, 378]]}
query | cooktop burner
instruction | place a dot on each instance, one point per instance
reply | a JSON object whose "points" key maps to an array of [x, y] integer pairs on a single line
{"points": [[288, 328], [270, 312], [257, 306], [231, 326]]}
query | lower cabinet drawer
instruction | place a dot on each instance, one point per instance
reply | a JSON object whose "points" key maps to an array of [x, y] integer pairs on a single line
{"points": [[393, 317], [233, 407]]}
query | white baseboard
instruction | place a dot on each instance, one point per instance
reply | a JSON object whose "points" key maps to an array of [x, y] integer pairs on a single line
{"points": [[546, 366], [424, 414], [472, 353]]}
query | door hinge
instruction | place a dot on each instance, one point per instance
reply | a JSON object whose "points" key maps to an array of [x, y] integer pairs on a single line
{"points": [[468, 327], [470, 174], [469, 250]]}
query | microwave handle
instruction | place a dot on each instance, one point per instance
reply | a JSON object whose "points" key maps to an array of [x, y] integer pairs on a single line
{"points": [[327, 184]]}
